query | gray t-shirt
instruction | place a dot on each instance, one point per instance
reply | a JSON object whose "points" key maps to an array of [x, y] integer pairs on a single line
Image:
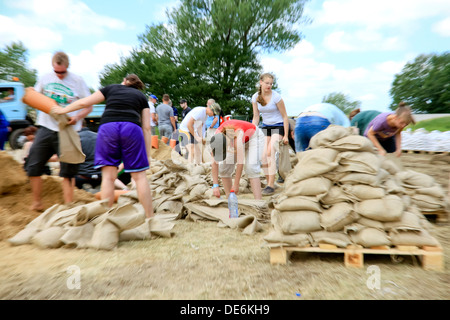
{"points": [[164, 112]]}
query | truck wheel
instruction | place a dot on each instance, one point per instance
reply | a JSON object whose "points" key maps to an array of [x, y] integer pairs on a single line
{"points": [[16, 139]]}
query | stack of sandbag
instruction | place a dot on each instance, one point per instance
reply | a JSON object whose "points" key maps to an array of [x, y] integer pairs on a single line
{"points": [[92, 225], [184, 189], [341, 192]]}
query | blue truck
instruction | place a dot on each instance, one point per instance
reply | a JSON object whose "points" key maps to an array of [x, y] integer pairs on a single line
{"points": [[19, 115]]}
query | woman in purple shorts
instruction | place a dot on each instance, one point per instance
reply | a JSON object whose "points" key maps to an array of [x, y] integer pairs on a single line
{"points": [[124, 136]]}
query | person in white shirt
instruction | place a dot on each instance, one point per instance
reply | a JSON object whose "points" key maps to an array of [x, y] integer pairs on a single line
{"points": [[152, 99], [275, 124], [191, 130], [64, 87]]}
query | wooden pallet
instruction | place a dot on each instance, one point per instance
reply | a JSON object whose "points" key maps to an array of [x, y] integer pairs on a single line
{"points": [[426, 152], [431, 257]]}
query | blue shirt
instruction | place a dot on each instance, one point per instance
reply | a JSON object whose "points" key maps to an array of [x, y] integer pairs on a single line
{"points": [[331, 112], [209, 121]]}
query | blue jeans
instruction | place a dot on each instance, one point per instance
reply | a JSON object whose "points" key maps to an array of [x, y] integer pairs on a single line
{"points": [[305, 128]]}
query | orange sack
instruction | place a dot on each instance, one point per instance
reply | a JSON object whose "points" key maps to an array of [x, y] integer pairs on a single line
{"points": [[38, 100], [117, 194]]}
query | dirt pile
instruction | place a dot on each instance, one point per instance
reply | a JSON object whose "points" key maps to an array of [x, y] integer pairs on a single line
{"points": [[15, 196]]}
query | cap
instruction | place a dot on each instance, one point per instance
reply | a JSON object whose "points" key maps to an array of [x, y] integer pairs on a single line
{"points": [[154, 97], [183, 101], [216, 109]]}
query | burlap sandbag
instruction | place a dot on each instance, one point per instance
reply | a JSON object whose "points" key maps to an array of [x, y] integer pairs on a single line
{"points": [[392, 186], [363, 162], [428, 203], [105, 236], [315, 186], [313, 163], [339, 239], [373, 180], [157, 226], [390, 208], [291, 222], [408, 221], [414, 180], [78, 236], [284, 160], [49, 238], [413, 238], [24, 236], [370, 237], [362, 192], [276, 238], [326, 137], [70, 150], [285, 203], [371, 223], [338, 216], [353, 143], [90, 211], [435, 191], [336, 195]]}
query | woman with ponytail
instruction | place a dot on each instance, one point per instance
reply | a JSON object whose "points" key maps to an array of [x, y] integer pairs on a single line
{"points": [[385, 130], [124, 136], [275, 124]]}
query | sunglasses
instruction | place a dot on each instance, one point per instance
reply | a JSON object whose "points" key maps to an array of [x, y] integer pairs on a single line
{"points": [[60, 72]]}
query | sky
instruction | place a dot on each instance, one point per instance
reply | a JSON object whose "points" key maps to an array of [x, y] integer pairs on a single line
{"points": [[354, 47]]}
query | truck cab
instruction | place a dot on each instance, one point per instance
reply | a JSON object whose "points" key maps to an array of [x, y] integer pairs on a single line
{"points": [[15, 111]]}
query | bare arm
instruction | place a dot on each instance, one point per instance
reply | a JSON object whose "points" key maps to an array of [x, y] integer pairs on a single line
{"points": [[146, 128], [255, 119], [376, 143], [282, 108], [86, 102]]}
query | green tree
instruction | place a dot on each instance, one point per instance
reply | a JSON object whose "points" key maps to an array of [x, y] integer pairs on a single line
{"points": [[13, 63], [424, 84], [342, 101], [209, 49]]}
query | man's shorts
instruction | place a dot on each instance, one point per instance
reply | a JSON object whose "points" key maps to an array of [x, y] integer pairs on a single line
{"points": [[121, 141], [45, 145], [186, 138]]}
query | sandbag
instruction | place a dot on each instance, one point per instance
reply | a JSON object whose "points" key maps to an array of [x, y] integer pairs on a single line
{"points": [[362, 192], [277, 238], [336, 195], [353, 143], [313, 163], [338, 216], [408, 222], [291, 222], [284, 160], [78, 236], [370, 237], [49, 238], [309, 187], [390, 208], [325, 138], [363, 162], [339, 239], [284, 203], [413, 238], [413, 179]]}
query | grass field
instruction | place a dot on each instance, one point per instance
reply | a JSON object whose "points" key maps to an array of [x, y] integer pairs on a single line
{"points": [[441, 124]]}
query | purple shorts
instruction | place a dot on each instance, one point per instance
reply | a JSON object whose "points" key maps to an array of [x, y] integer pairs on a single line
{"points": [[121, 142]]}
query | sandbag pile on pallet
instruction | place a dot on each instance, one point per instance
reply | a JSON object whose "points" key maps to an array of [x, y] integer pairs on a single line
{"points": [[422, 140], [342, 192]]}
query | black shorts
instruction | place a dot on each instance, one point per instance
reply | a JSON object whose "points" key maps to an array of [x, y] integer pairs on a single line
{"points": [[270, 130], [45, 145]]}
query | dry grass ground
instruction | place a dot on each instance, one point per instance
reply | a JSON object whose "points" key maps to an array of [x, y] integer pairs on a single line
{"points": [[206, 262]]}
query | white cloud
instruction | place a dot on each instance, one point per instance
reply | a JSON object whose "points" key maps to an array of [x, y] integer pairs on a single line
{"points": [[361, 40], [22, 29], [442, 27], [88, 63], [381, 13], [74, 15]]}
